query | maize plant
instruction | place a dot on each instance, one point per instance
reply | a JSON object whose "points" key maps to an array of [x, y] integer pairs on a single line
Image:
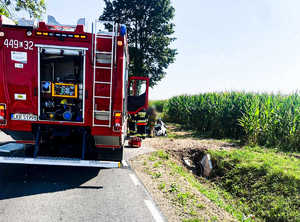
{"points": [[257, 118]]}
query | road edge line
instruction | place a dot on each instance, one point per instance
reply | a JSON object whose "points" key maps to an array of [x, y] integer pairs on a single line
{"points": [[148, 194], [154, 211], [134, 179]]}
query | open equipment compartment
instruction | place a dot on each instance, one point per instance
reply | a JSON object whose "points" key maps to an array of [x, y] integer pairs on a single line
{"points": [[61, 84]]}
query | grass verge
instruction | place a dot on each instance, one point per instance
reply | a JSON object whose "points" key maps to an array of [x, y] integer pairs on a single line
{"points": [[212, 193], [183, 188], [251, 184], [266, 182]]}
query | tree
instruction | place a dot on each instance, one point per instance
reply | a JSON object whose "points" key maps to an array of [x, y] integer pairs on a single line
{"points": [[35, 8], [149, 34]]}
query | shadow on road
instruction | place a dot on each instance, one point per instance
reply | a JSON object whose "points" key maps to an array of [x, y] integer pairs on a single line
{"points": [[25, 180]]}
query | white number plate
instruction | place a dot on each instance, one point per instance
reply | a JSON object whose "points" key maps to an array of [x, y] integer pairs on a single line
{"points": [[26, 117], [16, 44]]}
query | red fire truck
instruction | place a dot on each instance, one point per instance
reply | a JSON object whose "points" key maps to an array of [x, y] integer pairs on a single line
{"points": [[59, 81]]}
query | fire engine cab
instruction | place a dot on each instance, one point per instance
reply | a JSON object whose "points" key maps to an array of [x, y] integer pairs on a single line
{"points": [[60, 81]]}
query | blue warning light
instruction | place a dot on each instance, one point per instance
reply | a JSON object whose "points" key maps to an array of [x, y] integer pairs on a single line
{"points": [[123, 30], [67, 115]]}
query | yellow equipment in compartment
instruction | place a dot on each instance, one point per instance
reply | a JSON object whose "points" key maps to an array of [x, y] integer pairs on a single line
{"points": [[54, 93]]}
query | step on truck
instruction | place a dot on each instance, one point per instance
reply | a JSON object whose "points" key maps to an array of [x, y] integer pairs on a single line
{"points": [[59, 82]]}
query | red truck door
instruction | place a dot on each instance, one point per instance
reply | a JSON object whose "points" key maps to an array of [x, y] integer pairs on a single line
{"points": [[20, 78], [137, 94]]}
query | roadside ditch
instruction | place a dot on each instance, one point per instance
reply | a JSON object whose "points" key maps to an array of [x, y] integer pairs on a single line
{"points": [[246, 184]]}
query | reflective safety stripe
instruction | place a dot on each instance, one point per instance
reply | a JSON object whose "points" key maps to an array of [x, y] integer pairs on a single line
{"points": [[142, 114], [140, 135], [132, 131]]}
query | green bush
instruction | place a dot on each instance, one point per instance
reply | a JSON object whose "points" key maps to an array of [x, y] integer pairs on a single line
{"points": [[263, 119], [159, 105]]}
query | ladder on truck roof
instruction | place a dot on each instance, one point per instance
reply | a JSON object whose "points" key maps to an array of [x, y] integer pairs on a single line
{"points": [[106, 114]]}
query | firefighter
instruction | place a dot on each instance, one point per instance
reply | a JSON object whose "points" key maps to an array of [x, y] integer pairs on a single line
{"points": [[152, 120], [132, 125], [141, 124]]}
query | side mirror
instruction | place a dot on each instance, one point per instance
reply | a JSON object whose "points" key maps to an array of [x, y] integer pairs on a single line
{"points": [[138, 89]]}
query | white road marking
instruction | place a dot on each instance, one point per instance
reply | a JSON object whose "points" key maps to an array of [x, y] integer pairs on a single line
{"points": [[134, 179], [124, 163], [155, 213]]}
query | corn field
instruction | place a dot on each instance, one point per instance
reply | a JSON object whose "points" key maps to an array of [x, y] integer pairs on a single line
{"points": [[257, 119]]}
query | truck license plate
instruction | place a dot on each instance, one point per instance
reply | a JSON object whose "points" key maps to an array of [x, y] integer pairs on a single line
{"points": [[26, 117]]}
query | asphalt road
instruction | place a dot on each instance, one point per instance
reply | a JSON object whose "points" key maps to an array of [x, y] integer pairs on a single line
{"points": [[51, 193]]}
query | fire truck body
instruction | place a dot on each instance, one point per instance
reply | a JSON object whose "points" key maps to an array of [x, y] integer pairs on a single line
{"points": [[57, 81]]}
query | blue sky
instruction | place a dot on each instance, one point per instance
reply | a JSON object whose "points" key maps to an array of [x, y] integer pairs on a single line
{"points": [[251, 45]]}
